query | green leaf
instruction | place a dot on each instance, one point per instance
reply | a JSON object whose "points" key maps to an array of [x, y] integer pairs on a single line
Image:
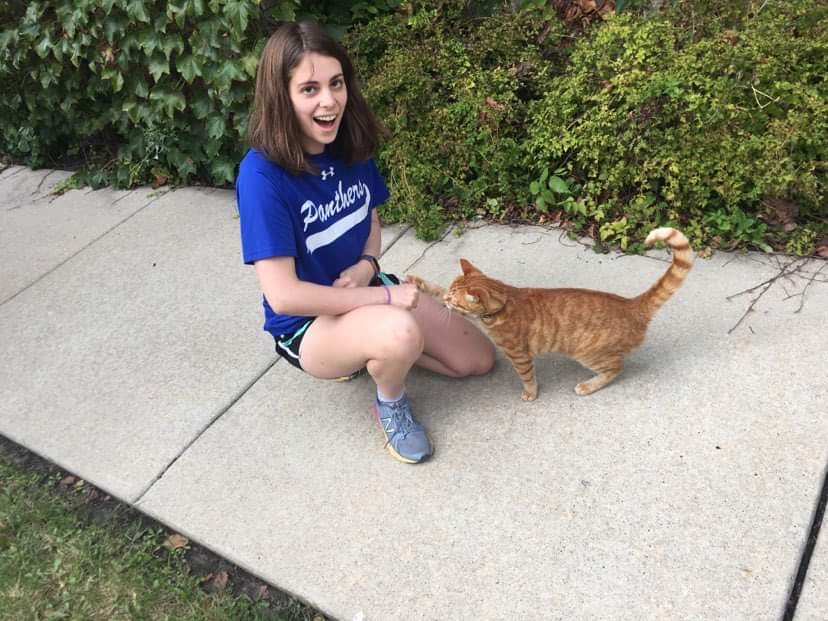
{"points": [[540, 203], [158, 66], [172, 42], [556, 184], [114, 26], [149, 41], [170, 101], [215, 127], [238, 12], [201, 105], [138, 11], [223, 171], [228, 72], [188, 67], [115, 77], [43, 46], [250, 63]]}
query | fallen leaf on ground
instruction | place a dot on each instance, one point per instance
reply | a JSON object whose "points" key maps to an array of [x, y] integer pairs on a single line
{"points": [[175, 542], [215, 582], [781, 212]]}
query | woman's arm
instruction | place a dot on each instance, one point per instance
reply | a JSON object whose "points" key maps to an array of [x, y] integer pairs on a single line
{"points": [[288, 295]]}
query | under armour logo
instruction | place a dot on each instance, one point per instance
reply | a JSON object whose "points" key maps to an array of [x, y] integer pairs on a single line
{"points": [[328, 173]]}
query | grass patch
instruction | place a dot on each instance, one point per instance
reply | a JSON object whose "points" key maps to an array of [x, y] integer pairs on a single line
{"points": [[68, 551]]}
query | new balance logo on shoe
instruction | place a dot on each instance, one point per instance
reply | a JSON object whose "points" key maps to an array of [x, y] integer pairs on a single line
{"points": [[328, 173]]}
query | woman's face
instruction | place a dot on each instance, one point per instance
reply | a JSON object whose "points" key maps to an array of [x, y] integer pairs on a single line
{"points": [[318, 92]]}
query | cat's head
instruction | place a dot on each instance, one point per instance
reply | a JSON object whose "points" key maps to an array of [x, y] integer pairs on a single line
{"points": [[474, 293]]}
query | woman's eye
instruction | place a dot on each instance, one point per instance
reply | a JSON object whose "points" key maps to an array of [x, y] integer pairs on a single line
{"points": [[337, 84], [308, 90]]}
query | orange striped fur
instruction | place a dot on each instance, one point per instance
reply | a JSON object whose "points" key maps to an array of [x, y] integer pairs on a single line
{"points": [[595, 328]]}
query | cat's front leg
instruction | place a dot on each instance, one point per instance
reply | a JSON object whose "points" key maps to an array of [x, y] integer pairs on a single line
{"points": [[525, 368], [426, 287]]}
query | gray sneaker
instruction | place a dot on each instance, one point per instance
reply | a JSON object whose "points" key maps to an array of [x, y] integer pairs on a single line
{"points": [[405, 438]]}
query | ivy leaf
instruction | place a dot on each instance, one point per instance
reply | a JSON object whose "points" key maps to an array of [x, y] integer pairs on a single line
{"points": [[250, 63], [114, 26], [149, 41], [115, 77], [139, 86], [215, 127], [228, 72], [170, 101], [172, 42], [43, 46], [223, 171], [182, 162], [158, 66], [238, 13], [201, 105], [136, 10], [188, 67]]}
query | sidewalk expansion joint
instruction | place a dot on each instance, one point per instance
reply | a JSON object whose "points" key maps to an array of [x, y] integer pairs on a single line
{"points": [[222, 411], [449, 229], [807, 553], [79, 250], [394, 241]]}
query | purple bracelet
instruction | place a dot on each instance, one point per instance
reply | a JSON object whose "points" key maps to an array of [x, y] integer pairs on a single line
{"points": [[387, 294]]}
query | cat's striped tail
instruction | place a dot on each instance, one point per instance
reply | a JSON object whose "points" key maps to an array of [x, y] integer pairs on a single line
{"points": [[660, 292]]}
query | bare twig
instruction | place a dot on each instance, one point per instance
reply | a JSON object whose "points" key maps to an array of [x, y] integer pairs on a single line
{"points": [[765, 285], [808, 284]]}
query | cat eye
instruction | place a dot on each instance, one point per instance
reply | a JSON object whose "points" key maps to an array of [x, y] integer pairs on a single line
{"points": [[471, 298]]}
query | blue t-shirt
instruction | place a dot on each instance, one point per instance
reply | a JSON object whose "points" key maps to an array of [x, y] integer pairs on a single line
{"points": [[322, 220]]}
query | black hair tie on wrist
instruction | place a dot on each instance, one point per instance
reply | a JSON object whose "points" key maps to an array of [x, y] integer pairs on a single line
{"points": [[373, 261]]}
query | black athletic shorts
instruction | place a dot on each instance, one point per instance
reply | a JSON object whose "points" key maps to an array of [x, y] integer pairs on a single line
{"points": [[288, 345]]}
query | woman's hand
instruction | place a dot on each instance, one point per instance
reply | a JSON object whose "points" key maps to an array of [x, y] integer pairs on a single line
{"points": [[358, 275], [405, 296]]}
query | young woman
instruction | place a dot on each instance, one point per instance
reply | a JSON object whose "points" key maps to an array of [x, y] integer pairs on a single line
{"points": [[307, 192]]}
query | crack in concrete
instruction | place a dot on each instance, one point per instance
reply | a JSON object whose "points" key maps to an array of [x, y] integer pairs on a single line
{"points": [[42, 181], [222, 411], [15, 173]]}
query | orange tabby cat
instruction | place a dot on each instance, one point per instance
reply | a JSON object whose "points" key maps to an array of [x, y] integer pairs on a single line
{"points": [[595, 328]]}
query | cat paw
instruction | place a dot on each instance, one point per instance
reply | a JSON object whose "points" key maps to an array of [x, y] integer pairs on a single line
{"points": [[583, 389], [416, 281], [528, 396]]}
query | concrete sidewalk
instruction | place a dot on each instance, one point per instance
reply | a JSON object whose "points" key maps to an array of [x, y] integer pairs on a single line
{"points": [[132, 356]]}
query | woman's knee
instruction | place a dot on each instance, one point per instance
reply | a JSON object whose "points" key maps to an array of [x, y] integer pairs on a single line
{"points": [[400, 335], [479, 363]]}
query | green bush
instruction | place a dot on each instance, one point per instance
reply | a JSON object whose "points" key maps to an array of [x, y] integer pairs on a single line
{"points": [[654, 124], [453, 93], [163, 88], [704, 115]]}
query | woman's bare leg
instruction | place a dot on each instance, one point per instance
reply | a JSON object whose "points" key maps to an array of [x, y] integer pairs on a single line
{"points": [[453, 345], [385, 339]]}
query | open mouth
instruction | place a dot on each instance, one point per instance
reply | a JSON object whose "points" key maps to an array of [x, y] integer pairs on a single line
{"points": [[325, 121]]}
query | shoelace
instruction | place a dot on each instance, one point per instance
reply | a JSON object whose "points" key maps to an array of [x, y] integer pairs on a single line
{"points": [[401, 418]]}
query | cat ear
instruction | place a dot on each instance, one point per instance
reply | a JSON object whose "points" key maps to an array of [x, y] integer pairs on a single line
{"points": [[468, 268]]}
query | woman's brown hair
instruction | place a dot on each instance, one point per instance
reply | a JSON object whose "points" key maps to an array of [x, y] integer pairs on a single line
{"points": [[273, 129]]}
